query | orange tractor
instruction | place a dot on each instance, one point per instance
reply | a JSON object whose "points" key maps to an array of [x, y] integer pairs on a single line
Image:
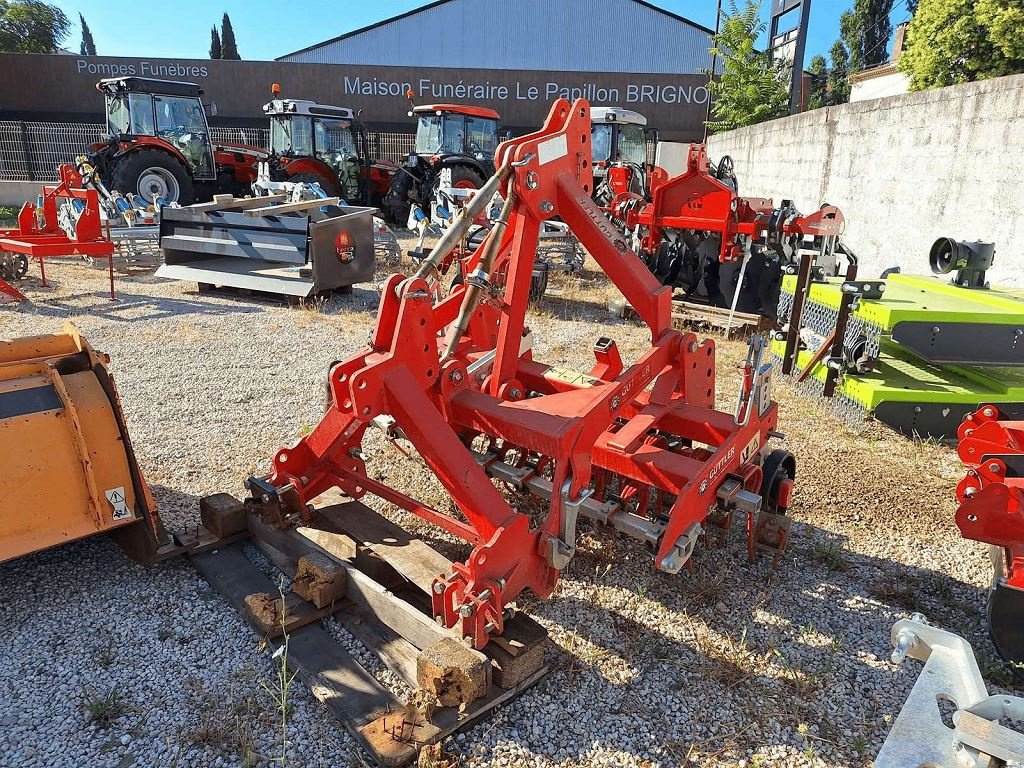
{"points": [[158, 144], [326, 145], [457, 138]]}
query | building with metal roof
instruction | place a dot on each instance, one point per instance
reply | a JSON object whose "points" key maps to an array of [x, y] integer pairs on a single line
{"points": [[517, 56], [625, 36]]}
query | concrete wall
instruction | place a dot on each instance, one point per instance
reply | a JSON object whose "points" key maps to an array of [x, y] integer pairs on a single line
{"points": [[904, 170], [14, 194]]}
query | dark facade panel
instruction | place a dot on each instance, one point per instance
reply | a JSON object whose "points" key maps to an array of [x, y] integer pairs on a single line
{"points": [[63, 88]]}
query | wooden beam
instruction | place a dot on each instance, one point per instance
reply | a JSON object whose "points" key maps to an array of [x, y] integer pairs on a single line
{"points": [[333, 675], [416, 627], [302, 205], [229, 203]]}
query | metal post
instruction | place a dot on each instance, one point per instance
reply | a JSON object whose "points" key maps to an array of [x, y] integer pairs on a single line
{"points": [[711, 75], [26, 148], [795, 36]]}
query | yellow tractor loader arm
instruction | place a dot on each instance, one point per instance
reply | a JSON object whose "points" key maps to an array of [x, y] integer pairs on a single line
{"points": [[69, 470]]}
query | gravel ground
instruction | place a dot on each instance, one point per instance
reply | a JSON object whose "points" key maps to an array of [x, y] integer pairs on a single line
{"points": [[111, 664]]}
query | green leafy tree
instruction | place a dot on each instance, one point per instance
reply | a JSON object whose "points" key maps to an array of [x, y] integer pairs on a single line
{"points": [[1004, 20], [839, 74], [876, 29], [215, 47], [750, 88], [958, 41], [851, 34], [88, 47], [229, 48], [818, 70], [31, 26], [865, 31]]}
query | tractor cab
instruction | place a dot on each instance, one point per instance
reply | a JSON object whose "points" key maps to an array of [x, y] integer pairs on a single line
{"points": [[618, 146], [617, 136], [317, 142], [139, 108], [444, 130]]}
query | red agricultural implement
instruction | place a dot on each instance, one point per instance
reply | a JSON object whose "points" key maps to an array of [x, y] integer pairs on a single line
{"points": [[638, 446], [991, 510], [64, 221], [696, 232]]}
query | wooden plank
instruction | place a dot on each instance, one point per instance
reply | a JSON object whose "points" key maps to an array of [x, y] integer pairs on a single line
{"points": [[397, 653], [415, 560], [302, 205], [334, 676], [235, 203], [416, 627], [412, 557], [353, 695], [236, 578], [450, 719]]}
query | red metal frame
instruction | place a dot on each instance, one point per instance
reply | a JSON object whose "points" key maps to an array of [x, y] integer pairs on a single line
{"points": [[649, 427], [696, 200], [9, 290], [991, 495], [45, 239]]}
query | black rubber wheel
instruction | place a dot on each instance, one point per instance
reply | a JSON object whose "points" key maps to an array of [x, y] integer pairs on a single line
{"points": [[1005, 616], [146, 172], [330, 186], [538, 284], [779, 465], [463, 177], [456, 280]]}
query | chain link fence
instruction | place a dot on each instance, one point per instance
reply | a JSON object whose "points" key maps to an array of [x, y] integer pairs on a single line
{"points": [[31, 151]]}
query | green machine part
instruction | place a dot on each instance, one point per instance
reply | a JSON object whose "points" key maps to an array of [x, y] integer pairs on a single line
{"points": [[938, 321], [918, 398]]}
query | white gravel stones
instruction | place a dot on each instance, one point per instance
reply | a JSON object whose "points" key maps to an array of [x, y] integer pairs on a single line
{"points": [[728, 664]]}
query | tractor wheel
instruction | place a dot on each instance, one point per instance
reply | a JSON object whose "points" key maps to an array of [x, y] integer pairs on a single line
{"points": [[330, 186], [1006, 615], [538, 283], [463, 177], [152, 173], [779, 467]]}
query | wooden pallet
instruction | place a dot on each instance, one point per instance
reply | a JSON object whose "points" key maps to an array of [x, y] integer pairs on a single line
{"points": [[687, 315], [385, 606]]}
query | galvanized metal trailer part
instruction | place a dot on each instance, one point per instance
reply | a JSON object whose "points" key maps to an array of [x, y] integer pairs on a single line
{"points": [[259, 244], [975, 735]]}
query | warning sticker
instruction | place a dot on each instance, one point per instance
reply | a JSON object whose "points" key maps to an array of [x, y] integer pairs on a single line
{"points": [[116, 498]]}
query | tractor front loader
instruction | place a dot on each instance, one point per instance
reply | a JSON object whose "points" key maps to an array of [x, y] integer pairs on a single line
{"points": [[637, 446], [69, 468]]}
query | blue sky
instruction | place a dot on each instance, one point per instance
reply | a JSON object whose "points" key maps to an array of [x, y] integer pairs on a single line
{"points": [[266, 29]]}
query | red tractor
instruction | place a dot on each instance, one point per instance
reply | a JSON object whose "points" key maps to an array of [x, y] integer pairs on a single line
{"points": [[318, 143], [462, 138], [158, 144]]}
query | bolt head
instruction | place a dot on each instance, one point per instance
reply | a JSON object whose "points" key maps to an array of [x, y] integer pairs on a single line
{"points": [[989, 412], [438, 588], [465, 611], [993, 467]]}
